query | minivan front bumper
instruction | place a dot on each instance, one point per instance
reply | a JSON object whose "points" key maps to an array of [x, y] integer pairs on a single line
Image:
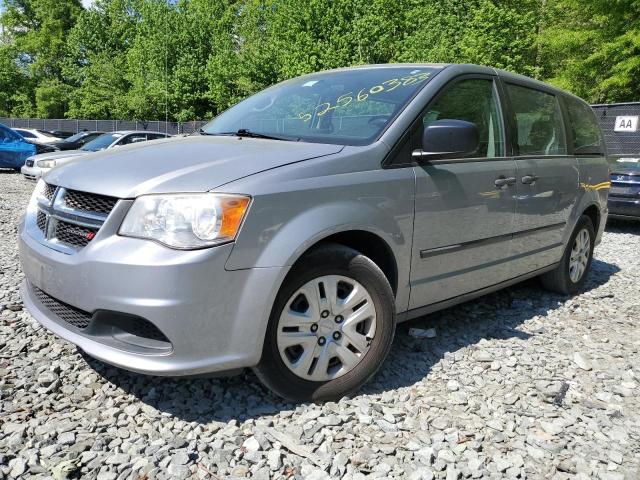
{"points": [[211, 319]]}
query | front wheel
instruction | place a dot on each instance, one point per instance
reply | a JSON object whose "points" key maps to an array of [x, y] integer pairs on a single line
{"points": [[571, 273], [331, 326]]}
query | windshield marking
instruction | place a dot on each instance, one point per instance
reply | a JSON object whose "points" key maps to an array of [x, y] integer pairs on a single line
{"points": [[363, 96], [363, 100]]}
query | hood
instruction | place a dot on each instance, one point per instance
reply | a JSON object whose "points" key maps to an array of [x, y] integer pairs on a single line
{"points": [[624, 166], [41, 147], [59, 155], [188, 164], [64, 145]]}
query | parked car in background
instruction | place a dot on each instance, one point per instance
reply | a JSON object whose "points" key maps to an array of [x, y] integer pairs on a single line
{"points": [[624, 196], [305, 221], [77, 141], [39, 136], [14, 150], [37, 165], [60, 133], [42, 147]]}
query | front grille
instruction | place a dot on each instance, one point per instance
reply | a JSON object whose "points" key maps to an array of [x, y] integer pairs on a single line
{"points": [[41, 221], [70, 218], [620, 177], [74, 235], [73, 316], [48, 192], [89, 202]]}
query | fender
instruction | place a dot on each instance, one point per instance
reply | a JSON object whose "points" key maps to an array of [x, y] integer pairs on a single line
{"points": [[379, 202], [593, 191]]}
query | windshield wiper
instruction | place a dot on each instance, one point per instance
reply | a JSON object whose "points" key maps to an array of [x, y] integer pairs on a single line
{"points": [[202, 132], [243, 132]]}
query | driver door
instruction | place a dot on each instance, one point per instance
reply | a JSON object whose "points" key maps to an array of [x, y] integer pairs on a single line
{"points": [[464, 207]]}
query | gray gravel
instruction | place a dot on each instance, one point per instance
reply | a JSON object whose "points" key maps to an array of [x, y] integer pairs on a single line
{"points": [[519, 384]]}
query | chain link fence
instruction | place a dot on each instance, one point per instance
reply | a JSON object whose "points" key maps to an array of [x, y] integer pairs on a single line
{"points": [[618, 143], [75, 126]]}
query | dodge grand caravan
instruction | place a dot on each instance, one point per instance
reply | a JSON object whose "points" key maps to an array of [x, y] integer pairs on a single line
{"points": [[300, 225]]}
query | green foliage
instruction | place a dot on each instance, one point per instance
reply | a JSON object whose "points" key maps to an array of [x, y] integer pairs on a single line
{"points": [[191, 59], [593, 48]]}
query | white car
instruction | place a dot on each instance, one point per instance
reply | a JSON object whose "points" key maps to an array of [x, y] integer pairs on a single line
{"points": [[39, 136], [38, 165]]}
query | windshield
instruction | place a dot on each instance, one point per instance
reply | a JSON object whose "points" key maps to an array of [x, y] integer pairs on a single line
{"points": [[102, 142], [350, 107], [75, 137], [624, 164], [46, 134]]}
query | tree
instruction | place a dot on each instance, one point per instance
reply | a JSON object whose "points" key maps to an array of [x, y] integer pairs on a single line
{"points": [[15, 85], [593, 48], [37, 31], [191, 59]]}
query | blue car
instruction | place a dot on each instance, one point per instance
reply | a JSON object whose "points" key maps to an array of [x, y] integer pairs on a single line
{"points": [[14, 149]]}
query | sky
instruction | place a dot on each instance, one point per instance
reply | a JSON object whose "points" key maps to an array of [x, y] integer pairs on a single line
{"points": [[87, 3]]}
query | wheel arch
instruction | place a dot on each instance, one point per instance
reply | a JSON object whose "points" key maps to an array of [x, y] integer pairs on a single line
{"points": [[593, 212], [370, 245]]}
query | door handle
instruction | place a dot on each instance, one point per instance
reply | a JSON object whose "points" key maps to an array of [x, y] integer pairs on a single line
{"points": [[504, 181], [529, 179]]}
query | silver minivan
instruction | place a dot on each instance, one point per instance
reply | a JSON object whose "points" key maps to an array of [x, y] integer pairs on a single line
{"points": [[299, 226]]}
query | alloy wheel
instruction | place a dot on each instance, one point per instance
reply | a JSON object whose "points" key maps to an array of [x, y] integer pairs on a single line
{"points": [[579, 255]]}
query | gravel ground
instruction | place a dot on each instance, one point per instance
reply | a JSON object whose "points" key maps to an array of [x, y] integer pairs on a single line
{"points": [[518, 384]]}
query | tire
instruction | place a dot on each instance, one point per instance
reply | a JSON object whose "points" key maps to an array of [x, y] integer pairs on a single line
{"points": [[370, 325], [563, 280]]}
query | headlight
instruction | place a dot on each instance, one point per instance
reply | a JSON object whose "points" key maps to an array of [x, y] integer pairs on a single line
{"points": [[187, 220], [46, 163]]}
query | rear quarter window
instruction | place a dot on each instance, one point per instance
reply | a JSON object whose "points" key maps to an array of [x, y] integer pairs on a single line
{"points": [[587, 136]]}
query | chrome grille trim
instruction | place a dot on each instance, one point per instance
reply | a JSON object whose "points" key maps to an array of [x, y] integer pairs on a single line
{"points": [[63, 227]]}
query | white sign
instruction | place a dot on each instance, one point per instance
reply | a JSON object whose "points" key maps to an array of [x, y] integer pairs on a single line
{"points": [[626, 124]]}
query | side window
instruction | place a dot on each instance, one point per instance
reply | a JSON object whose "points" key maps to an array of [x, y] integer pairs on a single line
{"points": [[134, 138], [4, 136], [475, 101], [87, 139], [538, 121], [26, 134], [587, 136], [155, 136]]}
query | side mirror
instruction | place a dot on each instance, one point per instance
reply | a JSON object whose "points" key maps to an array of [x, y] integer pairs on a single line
{"points": [[445, 139]]}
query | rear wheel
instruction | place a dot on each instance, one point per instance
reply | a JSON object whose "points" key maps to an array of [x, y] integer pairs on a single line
{"points": [[331, 326], [571, 273]]}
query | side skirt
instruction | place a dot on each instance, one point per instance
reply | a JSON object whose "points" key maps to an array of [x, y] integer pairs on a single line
{"points": [[434, 307]]}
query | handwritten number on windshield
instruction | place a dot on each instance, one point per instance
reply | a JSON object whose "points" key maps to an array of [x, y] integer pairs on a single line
{"points": [[347, 98]]}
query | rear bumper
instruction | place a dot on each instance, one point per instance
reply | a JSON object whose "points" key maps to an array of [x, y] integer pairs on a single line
{"points": [[214, 319], [624, 207]]}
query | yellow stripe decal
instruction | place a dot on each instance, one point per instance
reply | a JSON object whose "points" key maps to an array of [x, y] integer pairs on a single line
{"points": [[599, 186]]}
